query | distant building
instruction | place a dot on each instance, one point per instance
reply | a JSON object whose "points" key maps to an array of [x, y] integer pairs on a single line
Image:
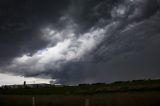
{"points": [[12, 86], [38, 85]]}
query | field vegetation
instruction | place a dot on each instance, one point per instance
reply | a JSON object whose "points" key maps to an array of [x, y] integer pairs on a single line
{"points": [[129, 93]]}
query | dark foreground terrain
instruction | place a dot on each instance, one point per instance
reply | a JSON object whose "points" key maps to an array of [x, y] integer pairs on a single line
{"points": [[111, 99], [134, 93]]}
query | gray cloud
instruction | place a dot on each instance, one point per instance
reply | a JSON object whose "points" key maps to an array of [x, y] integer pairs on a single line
{"points": [[89, 41], [21, 22]]}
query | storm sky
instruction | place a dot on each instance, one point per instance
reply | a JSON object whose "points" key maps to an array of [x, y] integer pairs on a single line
{"points": [[80, 41]]}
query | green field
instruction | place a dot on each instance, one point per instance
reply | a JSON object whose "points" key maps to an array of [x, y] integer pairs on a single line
{"points": [[130, 93]]}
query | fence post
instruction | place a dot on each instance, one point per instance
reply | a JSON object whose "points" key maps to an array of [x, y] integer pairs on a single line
{"points": [[86, 102], [33, 101]]}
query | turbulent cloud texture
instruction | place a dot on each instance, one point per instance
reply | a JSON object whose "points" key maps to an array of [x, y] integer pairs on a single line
{"points": [[82, 41]]}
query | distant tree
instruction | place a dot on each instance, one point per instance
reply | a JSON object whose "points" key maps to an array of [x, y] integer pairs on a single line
{"points": [[83, 84], [99, 84]]}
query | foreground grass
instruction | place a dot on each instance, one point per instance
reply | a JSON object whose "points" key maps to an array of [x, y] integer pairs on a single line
{"points": [[111, 99]]}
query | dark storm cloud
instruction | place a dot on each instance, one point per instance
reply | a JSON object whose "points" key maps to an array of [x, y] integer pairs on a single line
{"points": [[21, 21], [87, 13], [130, 52], [86, 40]]}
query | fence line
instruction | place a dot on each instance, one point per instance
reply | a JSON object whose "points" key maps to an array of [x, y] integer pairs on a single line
{"points": [[86, 102], [33, 101]]}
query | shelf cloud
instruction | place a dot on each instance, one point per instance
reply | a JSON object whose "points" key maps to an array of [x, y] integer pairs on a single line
{"points": [[80, 41]]}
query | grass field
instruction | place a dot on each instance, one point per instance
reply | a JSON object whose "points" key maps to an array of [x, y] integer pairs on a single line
{"points": [[134, 93], [111, 99]]}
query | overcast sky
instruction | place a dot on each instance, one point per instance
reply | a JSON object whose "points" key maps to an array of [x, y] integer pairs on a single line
{"points": [[79, 41]]}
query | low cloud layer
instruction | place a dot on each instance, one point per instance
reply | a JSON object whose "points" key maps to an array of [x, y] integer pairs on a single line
{"points": [[82, 41]]}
